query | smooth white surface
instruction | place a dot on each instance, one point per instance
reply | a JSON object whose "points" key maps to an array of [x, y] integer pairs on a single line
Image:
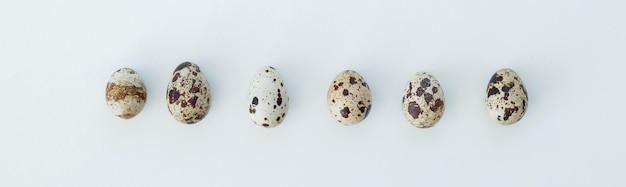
{"points": [[57, 56]]}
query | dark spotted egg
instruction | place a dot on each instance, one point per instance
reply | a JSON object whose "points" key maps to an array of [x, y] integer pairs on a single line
{"points": [[188, 94], [507, 99], [349, 98], [423, 101], [125, 93], [267, 98]]}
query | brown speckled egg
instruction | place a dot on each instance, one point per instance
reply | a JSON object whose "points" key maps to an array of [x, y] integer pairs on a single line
{"points": [[349, 98], [423, 101], [125, 93], [188, 94], [507, 99]]}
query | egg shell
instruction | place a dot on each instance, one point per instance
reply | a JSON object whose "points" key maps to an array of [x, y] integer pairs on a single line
{"points": [[188, 94], [349, 98], [423, 100], [507, 99], [267, 98], [125, 93]]}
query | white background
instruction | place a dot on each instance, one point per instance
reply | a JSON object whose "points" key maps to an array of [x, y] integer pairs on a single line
{"points": [[57, 56]]}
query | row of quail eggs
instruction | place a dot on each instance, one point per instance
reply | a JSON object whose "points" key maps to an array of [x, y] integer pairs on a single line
{"points": [[349, 98]]}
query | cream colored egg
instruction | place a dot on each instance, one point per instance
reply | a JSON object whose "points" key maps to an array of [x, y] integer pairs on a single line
{"points": [[507, 99], [125, 93], [188, 94], [267, 98], [423, 100], [349, 99]]}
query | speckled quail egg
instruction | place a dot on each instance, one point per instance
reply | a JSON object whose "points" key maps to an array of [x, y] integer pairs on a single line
{"points": [[349, 98], [188, 94], [507, 99], [267, 98], [423, 101], [125, 93]]}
